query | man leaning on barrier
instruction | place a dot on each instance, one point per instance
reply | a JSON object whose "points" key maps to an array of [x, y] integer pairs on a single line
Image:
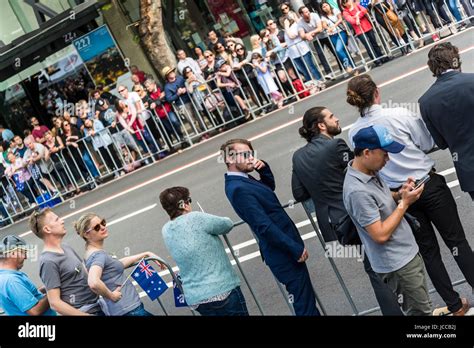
{"points": [[386, 235], [318, 173], [280, 243]]}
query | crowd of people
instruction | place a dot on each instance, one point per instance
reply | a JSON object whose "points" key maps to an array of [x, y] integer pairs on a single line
{"points": [[383, 194], [222, 86]]}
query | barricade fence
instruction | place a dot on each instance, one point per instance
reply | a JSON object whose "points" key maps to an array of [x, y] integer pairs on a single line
{"points": [[309, 211], [212, 108]]}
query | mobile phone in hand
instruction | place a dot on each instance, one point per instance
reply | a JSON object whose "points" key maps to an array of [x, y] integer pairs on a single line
{"points": [[420, 182]]}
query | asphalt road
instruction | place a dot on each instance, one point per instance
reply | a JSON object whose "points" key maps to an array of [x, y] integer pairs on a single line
{"points": [[131, 202]]}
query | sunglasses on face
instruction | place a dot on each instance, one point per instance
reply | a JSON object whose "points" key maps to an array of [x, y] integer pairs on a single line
{"points": [[208, 56], [96, 228], [245, 154]]}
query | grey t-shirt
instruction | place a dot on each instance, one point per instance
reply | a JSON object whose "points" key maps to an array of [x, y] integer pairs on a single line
{"points": [[368, 199], [113, 276], [314, 20], [68, 273]]}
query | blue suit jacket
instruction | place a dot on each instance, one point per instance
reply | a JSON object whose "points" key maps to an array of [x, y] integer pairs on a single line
{"points": [[256, 203]]}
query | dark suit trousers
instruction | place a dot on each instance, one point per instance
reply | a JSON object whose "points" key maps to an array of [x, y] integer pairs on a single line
{"points": [[299, 288], [386, 299], [437, 207]]}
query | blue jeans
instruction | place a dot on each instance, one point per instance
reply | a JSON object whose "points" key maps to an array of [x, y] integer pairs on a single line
{"points": [[138, 312], [233, 305], [172, 125], [339, 41], [453, 6], [302, 67], [90, 164]]}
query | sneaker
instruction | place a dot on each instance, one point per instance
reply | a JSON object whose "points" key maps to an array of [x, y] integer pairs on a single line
{"points": [[462, 27], [435, 37], [464, 309]]}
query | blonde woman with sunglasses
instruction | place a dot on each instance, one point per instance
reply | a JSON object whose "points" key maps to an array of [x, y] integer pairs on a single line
{"points": [[106, 273]]}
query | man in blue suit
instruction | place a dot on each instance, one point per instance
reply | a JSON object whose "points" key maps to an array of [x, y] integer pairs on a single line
{"points": [[280, 243]]}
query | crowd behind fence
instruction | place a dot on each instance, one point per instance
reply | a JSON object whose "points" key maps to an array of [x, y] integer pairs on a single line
{"points": [[231, 92]]}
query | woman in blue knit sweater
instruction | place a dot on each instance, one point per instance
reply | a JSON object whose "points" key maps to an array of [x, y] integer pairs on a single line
{"points": [[192, 238]]}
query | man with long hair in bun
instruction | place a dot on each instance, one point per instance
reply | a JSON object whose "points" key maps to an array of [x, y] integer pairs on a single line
{"points": [[318, 174], [436, 205]]}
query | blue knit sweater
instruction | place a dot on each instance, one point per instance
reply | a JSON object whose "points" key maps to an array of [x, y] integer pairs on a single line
{"points": [[193, 241]]}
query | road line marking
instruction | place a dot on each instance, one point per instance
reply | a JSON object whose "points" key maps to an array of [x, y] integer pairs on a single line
{"points": [[215, 154]]}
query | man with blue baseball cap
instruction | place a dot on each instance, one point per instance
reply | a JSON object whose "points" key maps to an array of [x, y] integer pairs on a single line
{"points": [[386, 235]]}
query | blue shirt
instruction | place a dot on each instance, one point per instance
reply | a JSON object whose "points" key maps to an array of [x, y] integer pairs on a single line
{"points": [[18, 294], [7, 135], [171, 91]]}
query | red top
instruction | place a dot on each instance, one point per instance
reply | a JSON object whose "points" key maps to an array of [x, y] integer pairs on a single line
{"points": [[141, 76], [163, 109], [39, 133], [351, 16]]}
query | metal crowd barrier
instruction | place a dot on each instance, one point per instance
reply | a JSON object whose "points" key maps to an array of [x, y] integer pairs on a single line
{"points": [[309, 209]]}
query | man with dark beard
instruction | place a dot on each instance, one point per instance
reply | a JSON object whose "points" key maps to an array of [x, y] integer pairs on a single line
{"points": [[318, 173]]}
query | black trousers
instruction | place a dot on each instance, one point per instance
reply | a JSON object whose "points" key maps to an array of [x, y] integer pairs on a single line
{"points": [[319, 50], [370, 43], [386, 299], [437, 207], [472, 195], [113, 163]]}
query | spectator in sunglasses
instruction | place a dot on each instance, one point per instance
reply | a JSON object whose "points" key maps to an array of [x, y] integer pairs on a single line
{"points": [[106, 273]]}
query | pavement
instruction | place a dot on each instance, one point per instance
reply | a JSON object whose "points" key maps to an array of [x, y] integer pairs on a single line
{"points": [[131, 206]]}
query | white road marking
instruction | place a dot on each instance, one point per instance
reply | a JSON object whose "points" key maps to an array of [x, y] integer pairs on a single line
{"points": [[191, 164]]}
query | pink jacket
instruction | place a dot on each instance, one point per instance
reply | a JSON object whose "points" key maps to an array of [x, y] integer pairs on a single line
{"points": [[351, 16]]}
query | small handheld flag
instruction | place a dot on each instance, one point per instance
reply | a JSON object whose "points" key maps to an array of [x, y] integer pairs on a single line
{"points": [[179, 300], [149, 280]]}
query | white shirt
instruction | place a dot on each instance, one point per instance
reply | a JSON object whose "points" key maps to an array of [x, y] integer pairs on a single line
{"points": [[244, 175], [296, 47], [191, 63], [330, 20], [133, 97], [408, 129], [313, 23]]}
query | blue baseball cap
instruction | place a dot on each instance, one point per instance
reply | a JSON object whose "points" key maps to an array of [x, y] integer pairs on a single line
{"points": [[376, 137]]}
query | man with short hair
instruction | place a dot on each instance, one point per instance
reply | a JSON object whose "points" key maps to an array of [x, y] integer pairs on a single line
{"points": [[318, 174], [62, 270], [280, 243], [310, 28], [20, 147], [386, 235], [447, 109], [214, 40], [38, 130], [18, 294], [184, 61]]}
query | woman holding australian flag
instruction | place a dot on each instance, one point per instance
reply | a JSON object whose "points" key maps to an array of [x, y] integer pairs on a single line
{"points": [[106, 273]]}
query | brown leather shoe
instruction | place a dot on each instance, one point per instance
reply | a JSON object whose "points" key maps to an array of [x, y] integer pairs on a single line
{"points": [[464, 309]]}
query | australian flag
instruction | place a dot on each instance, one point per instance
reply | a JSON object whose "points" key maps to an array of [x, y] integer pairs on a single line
{"points": [[179, 300], [149, 280]]}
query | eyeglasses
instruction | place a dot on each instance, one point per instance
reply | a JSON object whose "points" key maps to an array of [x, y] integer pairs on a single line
{"points": [[96, 228]]}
